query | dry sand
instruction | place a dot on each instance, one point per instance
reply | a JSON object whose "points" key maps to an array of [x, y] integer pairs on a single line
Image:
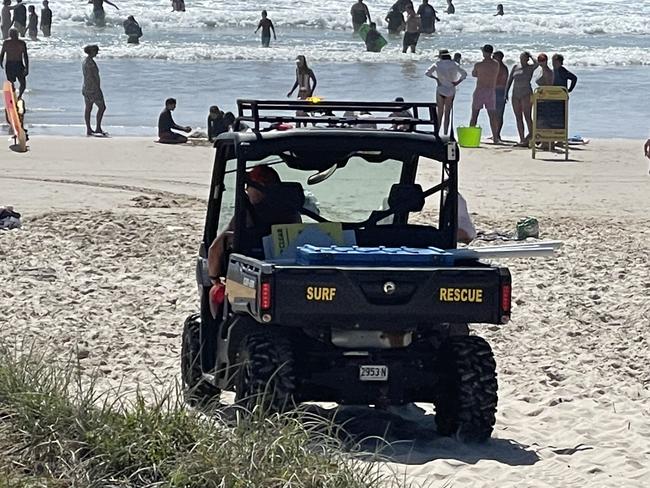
{"points": [[104, 268]]}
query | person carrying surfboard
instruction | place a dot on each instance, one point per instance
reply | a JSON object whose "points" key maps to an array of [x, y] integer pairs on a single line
{"points": [[373, 39], [17, 63]]}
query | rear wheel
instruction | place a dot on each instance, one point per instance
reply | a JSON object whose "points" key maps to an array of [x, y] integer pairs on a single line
{"points": [[266, 375], [466, 396], [197, 391]]}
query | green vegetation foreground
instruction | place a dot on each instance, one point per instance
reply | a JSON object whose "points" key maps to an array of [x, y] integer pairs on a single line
{"points": [[55, 430]]}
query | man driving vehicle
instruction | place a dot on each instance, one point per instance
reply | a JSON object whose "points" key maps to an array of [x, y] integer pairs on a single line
{"points": [[261, 215]]}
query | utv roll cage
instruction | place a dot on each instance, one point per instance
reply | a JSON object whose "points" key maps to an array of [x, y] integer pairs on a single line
{"points": [[330, 139]]}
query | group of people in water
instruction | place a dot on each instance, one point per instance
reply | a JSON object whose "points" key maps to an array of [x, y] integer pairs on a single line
{"points": [[25, 19]]}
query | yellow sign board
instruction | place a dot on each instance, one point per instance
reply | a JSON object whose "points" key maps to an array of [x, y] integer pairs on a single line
{"points": [[551, 117]]}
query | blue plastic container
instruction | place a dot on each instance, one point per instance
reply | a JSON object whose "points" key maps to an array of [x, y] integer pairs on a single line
{"points": [[372, 256]]}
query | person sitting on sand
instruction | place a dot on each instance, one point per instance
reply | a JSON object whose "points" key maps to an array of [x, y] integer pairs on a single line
{"points": [[546, 78], [17, 64], [46, 19], [403, 113], [448, 76], [99, 15], [484, 96], [216, 123], [499, 10], [522, 104], [132, 29], [92, 91], [260, 217], [450, 8], [373, 39], [561, 75], [229, 120], [360, 15], [167, 126], [267, 26], [428, 16], [395, 19], [413, 28]]}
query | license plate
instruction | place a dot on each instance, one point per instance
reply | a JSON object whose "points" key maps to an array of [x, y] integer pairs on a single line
{"points": [[373, 373]]}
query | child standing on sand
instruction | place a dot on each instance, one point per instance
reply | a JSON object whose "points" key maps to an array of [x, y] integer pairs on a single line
{"points": [[32, 23]]}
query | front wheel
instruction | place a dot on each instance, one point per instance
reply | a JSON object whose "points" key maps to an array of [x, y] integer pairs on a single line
{"points": [[466, 396], [196, 390]]}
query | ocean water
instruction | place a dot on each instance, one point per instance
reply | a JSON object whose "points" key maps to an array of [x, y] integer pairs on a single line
{"points": [[209, 55]]}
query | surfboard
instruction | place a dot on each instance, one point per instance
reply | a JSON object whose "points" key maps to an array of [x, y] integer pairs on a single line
{"points": [[363, 32], [13, 116]]}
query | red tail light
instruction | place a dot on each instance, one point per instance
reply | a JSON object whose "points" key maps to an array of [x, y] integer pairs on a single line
{"points": [[506, 293], [265, 296]]}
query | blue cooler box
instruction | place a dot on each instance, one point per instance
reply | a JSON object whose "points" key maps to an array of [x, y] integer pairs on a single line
{"points": [[372, 256]]}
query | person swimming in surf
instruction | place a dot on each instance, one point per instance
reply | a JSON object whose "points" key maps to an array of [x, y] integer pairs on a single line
{"points": [[46, 19], [429, 17], [32, 23], [20, 18], [178, 5], [450, 8], [395, 19], [267, 26], [99, 15], [360, 15], [499, 10], [305, 79], [132, 29]]}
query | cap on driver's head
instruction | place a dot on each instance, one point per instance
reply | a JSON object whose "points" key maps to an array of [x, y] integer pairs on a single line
{"points": [[488, 48], [263, 175]]}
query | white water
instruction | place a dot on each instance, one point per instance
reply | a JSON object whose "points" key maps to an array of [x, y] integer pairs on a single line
{"points": [[209, 55]]}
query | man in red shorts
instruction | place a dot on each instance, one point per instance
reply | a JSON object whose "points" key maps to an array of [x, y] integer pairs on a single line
{"points": [[486, 73]]}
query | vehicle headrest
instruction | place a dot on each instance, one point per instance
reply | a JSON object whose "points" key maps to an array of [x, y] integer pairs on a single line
{"points": [[409, 198], [288, 195]]}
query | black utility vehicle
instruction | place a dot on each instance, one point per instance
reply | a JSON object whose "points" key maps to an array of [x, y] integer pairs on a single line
{"points": [[359, 325]]}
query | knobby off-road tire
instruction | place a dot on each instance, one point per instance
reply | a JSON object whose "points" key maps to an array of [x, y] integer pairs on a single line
{"points": [[197, 391], [466, 397], [266, 375]]}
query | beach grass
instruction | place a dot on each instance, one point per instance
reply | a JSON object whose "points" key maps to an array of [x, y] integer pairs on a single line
{"points": [[58, 429]]}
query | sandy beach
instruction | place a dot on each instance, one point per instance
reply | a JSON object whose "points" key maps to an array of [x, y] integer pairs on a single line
{"points": [[103, 268]]}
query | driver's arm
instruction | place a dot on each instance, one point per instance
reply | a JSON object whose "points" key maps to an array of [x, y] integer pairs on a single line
{"points": [[216, 252]]}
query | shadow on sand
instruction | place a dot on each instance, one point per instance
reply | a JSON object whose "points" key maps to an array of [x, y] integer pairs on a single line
{"points": [[408, 435]]}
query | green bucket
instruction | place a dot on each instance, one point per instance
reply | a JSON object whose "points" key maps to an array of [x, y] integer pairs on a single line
{"points": [[469, 136]]}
